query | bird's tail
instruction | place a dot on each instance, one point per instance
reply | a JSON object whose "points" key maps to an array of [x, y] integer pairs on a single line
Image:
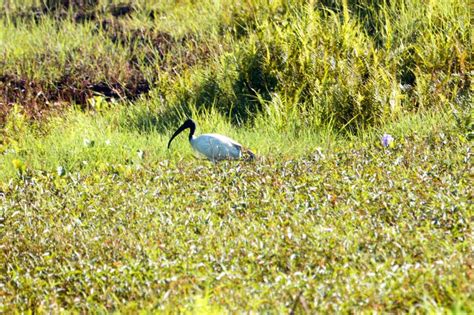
{"points": [[248, 155]]}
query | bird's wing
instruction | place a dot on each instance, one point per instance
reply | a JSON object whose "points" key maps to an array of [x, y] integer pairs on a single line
{"points": [[217, 147], [223, 139]]}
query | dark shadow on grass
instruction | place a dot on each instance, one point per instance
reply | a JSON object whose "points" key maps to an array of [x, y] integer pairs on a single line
{"points": [[253, 83]]}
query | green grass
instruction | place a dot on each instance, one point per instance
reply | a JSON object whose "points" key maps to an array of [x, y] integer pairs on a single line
{"points": [[96, 215], [346, 63]]}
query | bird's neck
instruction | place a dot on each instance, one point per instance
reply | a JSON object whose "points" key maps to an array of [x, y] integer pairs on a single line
{"points": [[192, 129]]}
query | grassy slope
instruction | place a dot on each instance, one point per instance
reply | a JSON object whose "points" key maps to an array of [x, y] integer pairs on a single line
{"points": [[323, 220]]}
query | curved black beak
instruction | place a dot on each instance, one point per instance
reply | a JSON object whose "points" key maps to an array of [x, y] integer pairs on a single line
{"points": [[187, 124]]}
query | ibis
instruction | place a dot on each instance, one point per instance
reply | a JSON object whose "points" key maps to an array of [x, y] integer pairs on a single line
{"points": [[213, 146]]}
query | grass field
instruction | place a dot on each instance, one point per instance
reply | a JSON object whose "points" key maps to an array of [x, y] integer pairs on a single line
{"points": [[96, 215]]}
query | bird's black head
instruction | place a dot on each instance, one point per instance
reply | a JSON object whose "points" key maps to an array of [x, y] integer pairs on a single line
{"points": [[189, 123]]}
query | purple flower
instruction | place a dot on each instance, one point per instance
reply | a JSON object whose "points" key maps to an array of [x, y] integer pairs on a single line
{"points": [[387, 140]]}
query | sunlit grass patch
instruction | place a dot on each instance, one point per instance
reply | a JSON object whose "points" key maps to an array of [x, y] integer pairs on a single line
{"points": [[343, 64]]}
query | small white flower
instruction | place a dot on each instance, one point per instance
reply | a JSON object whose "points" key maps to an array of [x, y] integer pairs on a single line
{"points": [[60, 170], [89, 143]]}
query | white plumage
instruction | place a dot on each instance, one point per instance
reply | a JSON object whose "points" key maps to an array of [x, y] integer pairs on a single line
{"points": [[216, 147], [213, 146]]}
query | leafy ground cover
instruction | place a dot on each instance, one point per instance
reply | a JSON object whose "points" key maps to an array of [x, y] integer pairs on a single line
{"points": [[97, 216], [350, 226]]}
